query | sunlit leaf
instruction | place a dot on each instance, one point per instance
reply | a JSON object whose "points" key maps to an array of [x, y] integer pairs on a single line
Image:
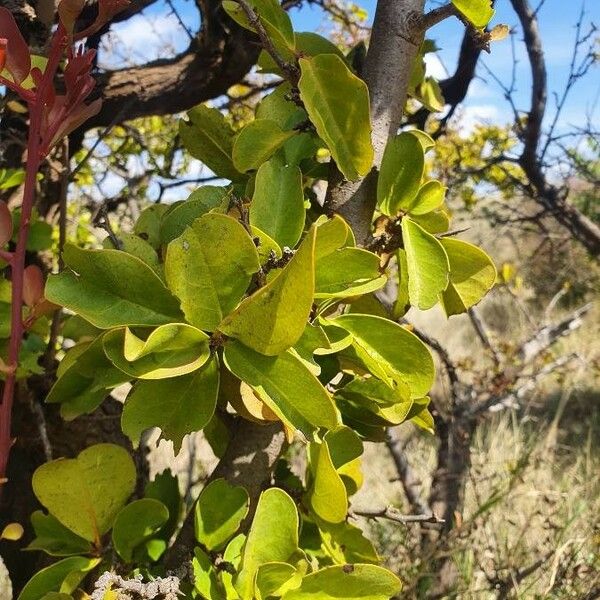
{"points": [[273, 318], [86, 493], [337, 103], [178, 405], [472, 275], [427, 264]]}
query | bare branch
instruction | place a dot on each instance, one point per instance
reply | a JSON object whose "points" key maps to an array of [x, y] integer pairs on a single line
{"points": [[392, 514]]}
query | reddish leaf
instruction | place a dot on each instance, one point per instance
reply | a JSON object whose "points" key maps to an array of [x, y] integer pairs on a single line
{"points": [[68, 11], [33, 285], [6, 224], [18, 61]]}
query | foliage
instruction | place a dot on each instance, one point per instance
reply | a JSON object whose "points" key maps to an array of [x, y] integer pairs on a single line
{"points": [[241, 301]]}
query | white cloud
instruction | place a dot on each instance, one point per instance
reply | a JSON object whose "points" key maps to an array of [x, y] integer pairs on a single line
{"points": [[143, 38], [470, 116], [434, 66]]}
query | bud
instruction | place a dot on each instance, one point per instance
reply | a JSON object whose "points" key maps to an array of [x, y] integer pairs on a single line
{"points": [[6, 224], [3, 44], [68, 11], [33, 285]]}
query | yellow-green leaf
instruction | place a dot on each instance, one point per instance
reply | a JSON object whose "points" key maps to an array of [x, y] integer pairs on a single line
{"points": [[350, 582], [178, 405], [136, 523], [274, 317], [427, 264], [273, 537], [257, 142], [170, 350], [64, 575], [220, 510], [337, 102], [110, 288], [392, 353], [204, 199], [472, 275], [400, 174], [479, 12], [209, 138], [431, 196], [209, 268], [286, 386], [278, 203], [86, 493], [347, 272]]}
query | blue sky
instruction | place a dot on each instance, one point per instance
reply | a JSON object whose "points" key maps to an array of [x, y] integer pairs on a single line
{"points": [[485, 102], [557, 20]]}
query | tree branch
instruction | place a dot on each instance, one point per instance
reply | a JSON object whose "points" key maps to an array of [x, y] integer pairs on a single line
{"points": [[221, 56], [248, 461], [395, 42]]}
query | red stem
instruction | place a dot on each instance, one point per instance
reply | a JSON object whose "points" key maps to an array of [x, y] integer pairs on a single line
{"points": [[17, 263]]}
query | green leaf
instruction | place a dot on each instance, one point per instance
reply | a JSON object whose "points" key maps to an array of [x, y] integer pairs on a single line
{"points": [[169, 351], [63, 576], [286, 385], [278, 203], [392, 353], [345, 543], [347, 582], [219, 512], [84, 377], [86, 493], [347, 272], [178, 405], [437, 221], [400, 174], [165, 488], [209, 267], [277, 107], [472, 276], [110, 288], [427, 264], [201, 201], [136, 523], [479, 12], [402, 304], [274, 317], [206, 581], [148, 223], [209, 138], [332, 234], [273, 579], [327, 494], [257, 142], [430, 197], [273, 537], [274, 19], [55, 539], [337, 103], [136, 246]]}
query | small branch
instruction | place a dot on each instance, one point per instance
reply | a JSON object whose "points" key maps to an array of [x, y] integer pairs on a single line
{"points": [[482, 334], [511, 399], [392, 514], [407, 477], [290, 71], [546, 336], [437, 15]]}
